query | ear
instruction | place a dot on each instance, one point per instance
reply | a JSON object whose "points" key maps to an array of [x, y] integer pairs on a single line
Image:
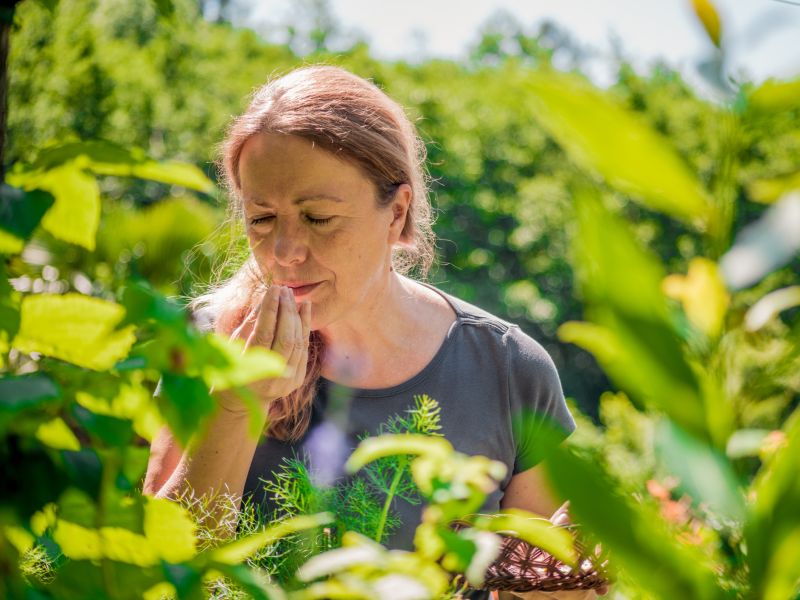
{"points": [[399, 207]]}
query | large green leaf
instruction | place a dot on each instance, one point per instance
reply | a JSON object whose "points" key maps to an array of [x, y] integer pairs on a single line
{"points": [[75, 215], [75, 328], [104, 158], [169, 530], [634, 535], [20, 214], [603, 137], [702, 471], [773, 512]]}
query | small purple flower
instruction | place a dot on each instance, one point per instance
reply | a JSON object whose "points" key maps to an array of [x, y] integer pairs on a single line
{"points": [[327, 448]]}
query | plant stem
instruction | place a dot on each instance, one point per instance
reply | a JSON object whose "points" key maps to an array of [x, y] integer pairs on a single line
{"points": [[401, 468]]}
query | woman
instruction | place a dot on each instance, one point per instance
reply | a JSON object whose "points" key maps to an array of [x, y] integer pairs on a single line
{"points": [[327, 173]]}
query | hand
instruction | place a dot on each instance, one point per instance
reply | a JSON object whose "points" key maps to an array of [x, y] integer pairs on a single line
{"points": [[276, 323]]}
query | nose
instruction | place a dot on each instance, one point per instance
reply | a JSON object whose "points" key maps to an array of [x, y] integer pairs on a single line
{"points": [[289, 244]]}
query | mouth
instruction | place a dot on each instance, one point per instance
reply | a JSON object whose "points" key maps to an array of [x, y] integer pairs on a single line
{"points": [[302, 289]]}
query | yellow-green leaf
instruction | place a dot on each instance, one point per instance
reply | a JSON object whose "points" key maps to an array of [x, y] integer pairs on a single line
{"points": [[243, 366], [170, 530], [240, 550], [537, 531], [709, 17], [75, 328], [75, 215], [703, 294], [374, 448], [773, 95], [57, 434], [768, 191], [603, 137]]}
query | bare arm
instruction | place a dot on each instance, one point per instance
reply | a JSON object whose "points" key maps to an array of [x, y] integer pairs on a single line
{"points": [[218, 459]]}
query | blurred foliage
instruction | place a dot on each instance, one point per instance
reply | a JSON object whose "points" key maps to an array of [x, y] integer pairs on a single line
{"points": [[656, 231], [115, 70]]}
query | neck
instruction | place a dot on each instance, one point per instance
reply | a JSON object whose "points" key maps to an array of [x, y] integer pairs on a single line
{"points": [[375, 332]]}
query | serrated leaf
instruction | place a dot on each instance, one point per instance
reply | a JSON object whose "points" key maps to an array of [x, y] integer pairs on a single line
{"points": [[75, 328], [603, 137]]}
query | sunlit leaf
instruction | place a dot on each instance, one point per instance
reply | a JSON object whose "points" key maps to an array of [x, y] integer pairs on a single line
{"points": [[105, 158], [57, 434], [75, 215], [243, 367], [774, 95], [603, 137], [702, 293], [240, 550], [783, 579], [703, 472], [705, 11], [341, 559], [537, 531], [765, 245], [374, 448], [770, 190], [75, 328], [252, 581], [169, 530]]}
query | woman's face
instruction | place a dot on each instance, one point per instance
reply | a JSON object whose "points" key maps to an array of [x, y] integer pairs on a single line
{"points": [[314, 225]]}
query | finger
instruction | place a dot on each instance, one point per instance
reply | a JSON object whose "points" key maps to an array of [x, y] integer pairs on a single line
{"points": [[284, 340], [263, 333], [305, 319]]}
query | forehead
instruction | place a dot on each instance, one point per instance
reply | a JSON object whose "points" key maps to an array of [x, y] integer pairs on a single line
{"points": [[275, 167]]}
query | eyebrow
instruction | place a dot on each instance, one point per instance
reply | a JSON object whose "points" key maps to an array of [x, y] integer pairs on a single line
{"points": [[301, 199]]}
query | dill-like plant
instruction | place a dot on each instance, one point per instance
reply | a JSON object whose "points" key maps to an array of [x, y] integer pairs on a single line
{"points": [[361, 503]]}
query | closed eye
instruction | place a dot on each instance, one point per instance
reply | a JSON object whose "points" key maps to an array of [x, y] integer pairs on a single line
{"points": [[258, 220], [318, 220]]}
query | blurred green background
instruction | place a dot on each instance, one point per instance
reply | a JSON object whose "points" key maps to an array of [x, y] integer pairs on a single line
{"points": [[117, 71]]}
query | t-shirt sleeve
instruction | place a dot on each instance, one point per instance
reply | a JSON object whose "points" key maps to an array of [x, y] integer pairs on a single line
{"points": [[539, 414]]}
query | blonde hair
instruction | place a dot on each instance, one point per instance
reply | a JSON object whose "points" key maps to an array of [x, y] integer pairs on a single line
{"points": [[352, 118]]}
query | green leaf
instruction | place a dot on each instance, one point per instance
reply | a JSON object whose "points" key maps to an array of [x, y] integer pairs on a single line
{"points": [[104, 158], [746, 442], [709, 17], [75, 215], [75, 328], [20, 214], [374, 448], [537, 531], [634, 535], [170, 530], [601, 136], [242, 549], [57, 434], [774, 95], [242, 367], [703, 472], [23, 392], [165, 8], [186, 405]]}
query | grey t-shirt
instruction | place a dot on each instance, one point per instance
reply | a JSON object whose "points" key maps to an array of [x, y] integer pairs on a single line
{"points": [[486, 375]]}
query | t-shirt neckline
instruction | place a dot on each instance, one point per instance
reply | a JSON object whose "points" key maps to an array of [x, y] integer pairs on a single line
{"points": [[423, 374]]}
